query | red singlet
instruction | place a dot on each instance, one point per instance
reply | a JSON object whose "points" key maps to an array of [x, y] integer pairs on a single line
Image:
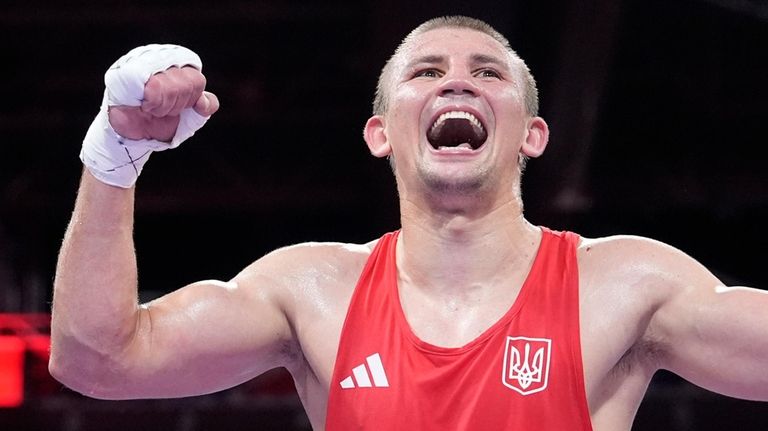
{"points": [[523, 373]]}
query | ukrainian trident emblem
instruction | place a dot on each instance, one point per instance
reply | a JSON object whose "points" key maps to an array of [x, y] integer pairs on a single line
{"points": [[526, 364]]}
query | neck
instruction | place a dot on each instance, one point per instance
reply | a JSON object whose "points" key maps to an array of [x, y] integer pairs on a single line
{"points": [[459, 249]]}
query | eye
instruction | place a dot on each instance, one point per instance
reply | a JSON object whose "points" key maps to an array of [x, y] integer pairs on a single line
{"points": [[427, 73], [489, 73]]}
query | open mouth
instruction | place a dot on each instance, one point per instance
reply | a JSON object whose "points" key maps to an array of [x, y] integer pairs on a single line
{"points": [[457, 129]]}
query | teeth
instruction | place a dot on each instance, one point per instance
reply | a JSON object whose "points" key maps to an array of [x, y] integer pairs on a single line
{"points": [[464, 146], [457, 114]]}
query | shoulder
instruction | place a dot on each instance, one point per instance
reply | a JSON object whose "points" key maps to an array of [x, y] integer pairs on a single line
{"points": [[624, 282], [312, 252], [309, 260], [624, 243], [623, 251], [628, 261], [311, 270]]}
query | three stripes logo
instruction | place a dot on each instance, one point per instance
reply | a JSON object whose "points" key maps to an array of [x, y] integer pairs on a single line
{"points": [[366, 377]]}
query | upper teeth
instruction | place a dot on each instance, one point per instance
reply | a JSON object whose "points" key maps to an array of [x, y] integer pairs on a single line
{"points": [[457, 114]]}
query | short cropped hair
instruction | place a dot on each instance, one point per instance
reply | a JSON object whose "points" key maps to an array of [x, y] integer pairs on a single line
{"points": [[530, 92]]}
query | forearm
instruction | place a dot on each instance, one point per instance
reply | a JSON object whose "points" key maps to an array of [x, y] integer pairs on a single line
{"points": [[95, 304]]}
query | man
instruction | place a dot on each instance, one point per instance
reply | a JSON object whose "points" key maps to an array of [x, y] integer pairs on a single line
{"points": [[468, 317]]}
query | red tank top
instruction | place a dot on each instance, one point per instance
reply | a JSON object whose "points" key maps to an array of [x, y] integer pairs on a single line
{"points": [[522, 373]]}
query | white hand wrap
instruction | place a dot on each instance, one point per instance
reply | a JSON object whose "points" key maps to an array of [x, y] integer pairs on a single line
{"points": [[116, 160]]}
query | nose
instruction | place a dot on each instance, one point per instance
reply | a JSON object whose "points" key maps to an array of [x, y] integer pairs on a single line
{"points": [[456, 86]]}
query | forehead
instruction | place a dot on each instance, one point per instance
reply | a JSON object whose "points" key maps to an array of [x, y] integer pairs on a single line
{"points": [[450, 42]]}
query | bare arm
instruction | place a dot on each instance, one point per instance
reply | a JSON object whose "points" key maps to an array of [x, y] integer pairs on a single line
{"points": [[199, 339], [95, 294], [202, 338], [712, 335]]}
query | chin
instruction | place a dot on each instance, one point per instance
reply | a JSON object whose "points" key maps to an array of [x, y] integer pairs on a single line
{"points": [[465, 185]]}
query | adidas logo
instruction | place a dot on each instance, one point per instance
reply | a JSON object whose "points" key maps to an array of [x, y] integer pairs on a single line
{"points": [[361, 375]]}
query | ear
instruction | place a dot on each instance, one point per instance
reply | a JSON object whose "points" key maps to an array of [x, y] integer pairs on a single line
{"points": [[537, 136], [376, 137]]}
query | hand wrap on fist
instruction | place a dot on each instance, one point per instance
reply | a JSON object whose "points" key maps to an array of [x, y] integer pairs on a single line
{"points": [[114, 159]]}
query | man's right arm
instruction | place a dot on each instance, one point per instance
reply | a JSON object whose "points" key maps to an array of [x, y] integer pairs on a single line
{"points": [[202, 338]]}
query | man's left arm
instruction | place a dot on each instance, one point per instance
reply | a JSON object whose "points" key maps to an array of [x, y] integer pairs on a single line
{"points": [[712, 335]]}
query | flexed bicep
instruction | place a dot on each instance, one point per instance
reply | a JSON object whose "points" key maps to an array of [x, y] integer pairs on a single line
{"points": [[205, 337]]}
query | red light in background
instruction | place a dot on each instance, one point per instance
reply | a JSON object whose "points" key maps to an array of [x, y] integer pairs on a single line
{"points": [[11, 371], [24, 351]]}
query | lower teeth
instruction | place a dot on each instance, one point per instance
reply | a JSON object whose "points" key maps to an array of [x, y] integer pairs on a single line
{"points": [[465, 146]]}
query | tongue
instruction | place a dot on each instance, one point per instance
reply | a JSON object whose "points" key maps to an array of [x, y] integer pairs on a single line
{"points": [[454, 132]]}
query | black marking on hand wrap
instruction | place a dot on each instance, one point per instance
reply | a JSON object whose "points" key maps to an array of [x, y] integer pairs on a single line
{"points": [[131, 160]]}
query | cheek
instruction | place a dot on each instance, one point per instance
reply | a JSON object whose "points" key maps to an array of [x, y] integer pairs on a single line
{"points": [[405, 110], [509, 96], [508, 108], [404, 96]]}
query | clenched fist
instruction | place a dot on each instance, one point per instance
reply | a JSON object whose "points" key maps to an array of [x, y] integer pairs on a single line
{"points": [[154, 99], [166, 94]]}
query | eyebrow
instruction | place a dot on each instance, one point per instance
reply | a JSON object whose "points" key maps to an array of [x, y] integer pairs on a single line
{"points": [[488, 59], [428, 59], [475, 59]]}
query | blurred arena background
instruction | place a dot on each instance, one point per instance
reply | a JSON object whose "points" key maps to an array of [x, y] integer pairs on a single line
{"points": [[658, 117]]}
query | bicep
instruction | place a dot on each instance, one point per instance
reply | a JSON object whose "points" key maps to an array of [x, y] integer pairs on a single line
{"points": [[205, 337], [715, 336]]}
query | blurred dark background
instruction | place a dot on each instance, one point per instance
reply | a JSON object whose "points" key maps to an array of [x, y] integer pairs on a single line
{"points": [[658, 118]]}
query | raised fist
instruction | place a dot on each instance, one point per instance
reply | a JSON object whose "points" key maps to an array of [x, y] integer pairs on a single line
{"points": [[166, 95], [154, 99]]}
